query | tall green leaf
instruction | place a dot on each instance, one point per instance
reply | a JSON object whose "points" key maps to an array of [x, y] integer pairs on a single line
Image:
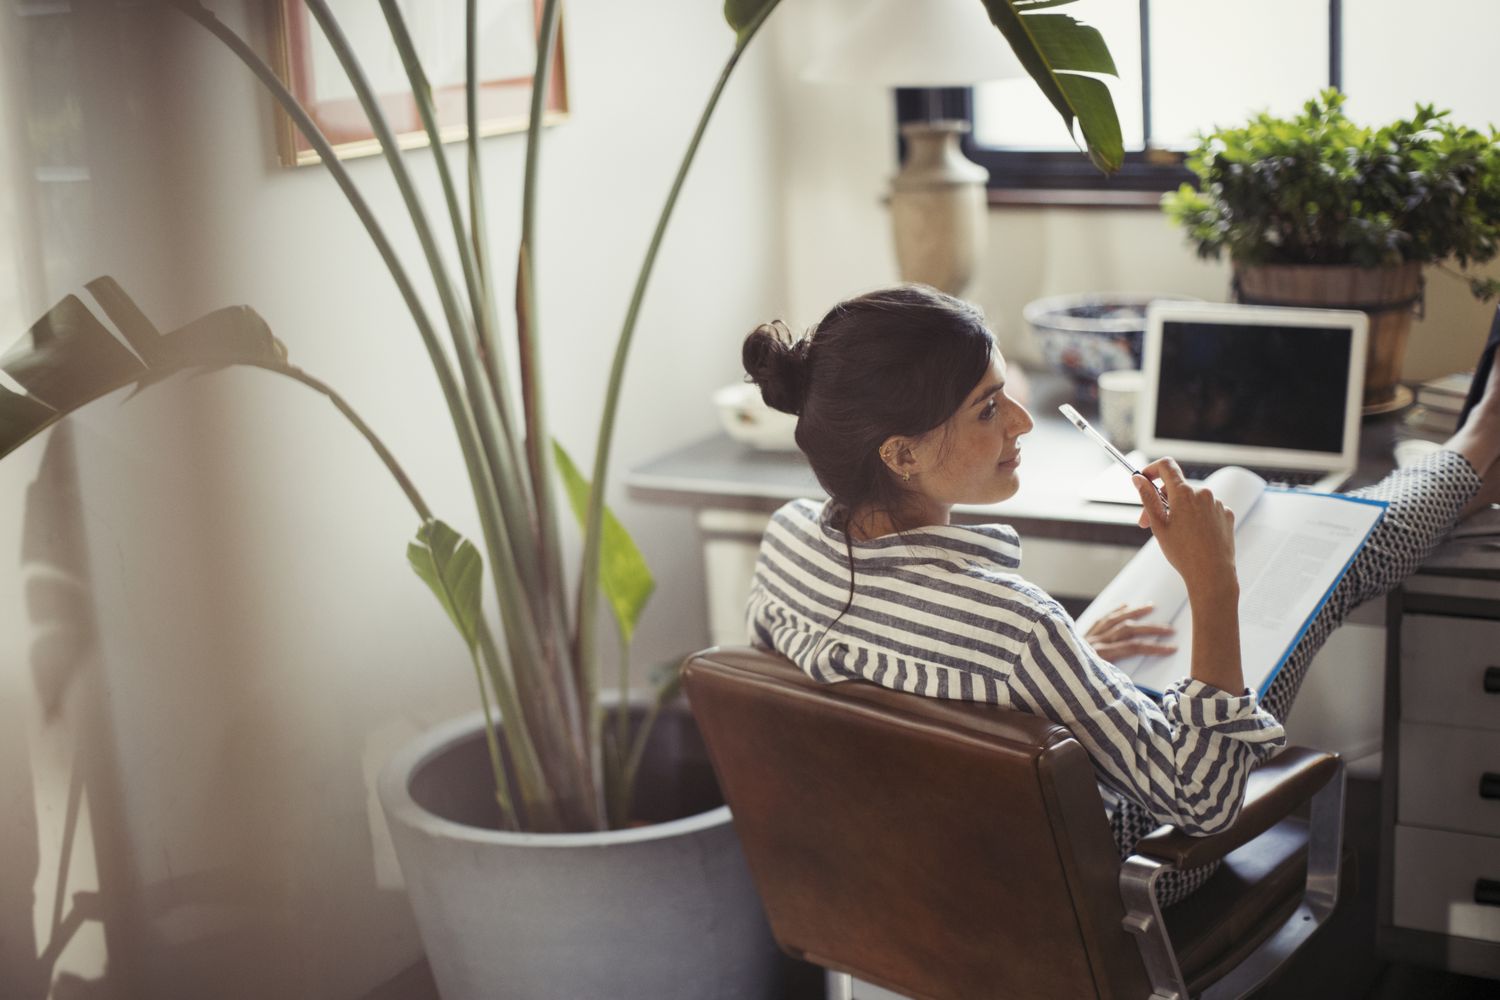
{"points": [[1055, 49], [450, 565], [623, 573], [69, 358]]}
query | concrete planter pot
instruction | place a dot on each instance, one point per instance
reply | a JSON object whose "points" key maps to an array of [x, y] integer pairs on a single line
{"points": [[655, 912]]}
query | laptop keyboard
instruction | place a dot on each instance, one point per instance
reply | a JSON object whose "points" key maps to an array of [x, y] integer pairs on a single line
{"points": [[1275, 477]]}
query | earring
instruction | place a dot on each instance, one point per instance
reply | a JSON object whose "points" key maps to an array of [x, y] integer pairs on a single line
{"points": [[906, 477]]}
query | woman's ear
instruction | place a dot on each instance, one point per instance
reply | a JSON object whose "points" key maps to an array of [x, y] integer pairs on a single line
{"points": [[899, 455]]}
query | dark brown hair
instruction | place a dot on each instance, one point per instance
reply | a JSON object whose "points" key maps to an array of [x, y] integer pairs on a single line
{"points": [[899, 361]]}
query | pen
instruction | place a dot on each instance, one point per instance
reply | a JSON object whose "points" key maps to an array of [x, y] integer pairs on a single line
{"points": [[1076, 419]]}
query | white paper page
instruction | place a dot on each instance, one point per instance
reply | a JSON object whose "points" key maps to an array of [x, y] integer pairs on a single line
{"points": [[1240, 489], [1111, 484], [1149, 577], [1289, 556]]}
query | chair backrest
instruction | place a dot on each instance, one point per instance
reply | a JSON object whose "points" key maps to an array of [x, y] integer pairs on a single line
{"points": [[936, 848]]}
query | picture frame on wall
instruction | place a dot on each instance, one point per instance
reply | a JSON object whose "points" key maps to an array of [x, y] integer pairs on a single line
{"points": [[306, 63]]}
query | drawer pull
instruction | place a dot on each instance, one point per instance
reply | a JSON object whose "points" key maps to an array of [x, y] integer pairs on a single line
{"points": [[1487, 892], [1489, 785], [1492, 680]]}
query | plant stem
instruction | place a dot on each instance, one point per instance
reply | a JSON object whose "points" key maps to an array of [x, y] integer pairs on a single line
{"points": [[537, 438], [458, 408], [512, 474], [540, 810], [571, 776], [622, 735], [478, 227], [588, 587], [342, 405], [473, 278], [421, 91], [502, 797], [478, 232]]}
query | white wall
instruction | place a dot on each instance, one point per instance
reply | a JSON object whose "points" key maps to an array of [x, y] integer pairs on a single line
{"points": [[211, 634], [841, 151]]}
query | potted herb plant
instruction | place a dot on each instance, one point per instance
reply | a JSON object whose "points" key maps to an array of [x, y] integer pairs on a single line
{"points": [[535, 864], [1315, 210]]}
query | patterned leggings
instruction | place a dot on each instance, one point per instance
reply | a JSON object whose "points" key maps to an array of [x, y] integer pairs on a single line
{"points": [[1425, 501]]}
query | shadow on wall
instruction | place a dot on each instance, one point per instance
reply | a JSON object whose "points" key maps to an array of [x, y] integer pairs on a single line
{"points": [[35, 929], [154, 848]]}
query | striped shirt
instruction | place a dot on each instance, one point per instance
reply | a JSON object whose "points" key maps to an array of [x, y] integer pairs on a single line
{"points": [[940, 611]]}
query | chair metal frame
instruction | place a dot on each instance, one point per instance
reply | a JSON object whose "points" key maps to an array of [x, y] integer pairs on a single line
{"points": [[1143, 917]]}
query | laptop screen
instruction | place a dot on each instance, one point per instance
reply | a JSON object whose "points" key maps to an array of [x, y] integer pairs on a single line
{"points": [[1254, 384]]}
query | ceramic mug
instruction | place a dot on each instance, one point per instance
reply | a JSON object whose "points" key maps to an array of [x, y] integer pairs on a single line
{"points": [[1119, 391]]}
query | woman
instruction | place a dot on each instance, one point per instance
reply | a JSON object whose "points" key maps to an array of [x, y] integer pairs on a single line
{"points": [[903, 413]]}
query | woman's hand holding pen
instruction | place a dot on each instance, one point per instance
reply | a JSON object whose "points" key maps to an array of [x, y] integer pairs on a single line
{"points": [[1197, 537]]}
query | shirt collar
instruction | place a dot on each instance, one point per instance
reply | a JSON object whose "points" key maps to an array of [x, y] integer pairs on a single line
{"points": [[989, 546]]}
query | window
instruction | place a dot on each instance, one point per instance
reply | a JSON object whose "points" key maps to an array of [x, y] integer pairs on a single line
{"points": [[1188, 65]]}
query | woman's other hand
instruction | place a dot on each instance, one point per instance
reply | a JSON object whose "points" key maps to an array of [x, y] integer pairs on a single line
{"points": [[1197, 535], [1118, 634]]}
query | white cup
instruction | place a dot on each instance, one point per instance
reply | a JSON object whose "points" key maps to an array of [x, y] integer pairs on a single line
{"points": [[1119, 391]]}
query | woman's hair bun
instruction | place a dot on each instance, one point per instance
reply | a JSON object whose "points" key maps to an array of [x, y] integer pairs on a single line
{"points": [[777, 362]]}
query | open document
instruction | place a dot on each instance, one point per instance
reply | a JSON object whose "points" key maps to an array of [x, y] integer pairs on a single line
{"points": [[1291, 548]]}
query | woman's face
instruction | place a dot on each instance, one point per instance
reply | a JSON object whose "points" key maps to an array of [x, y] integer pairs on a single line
{"points": [[974, 457]]}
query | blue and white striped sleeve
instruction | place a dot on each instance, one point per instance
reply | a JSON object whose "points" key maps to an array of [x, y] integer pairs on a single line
{"points": [[1185, 760]]}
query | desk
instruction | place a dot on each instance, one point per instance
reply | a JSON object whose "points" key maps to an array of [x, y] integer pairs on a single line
{"points": [[720, 473], [1071, 547], [1440, 865]]}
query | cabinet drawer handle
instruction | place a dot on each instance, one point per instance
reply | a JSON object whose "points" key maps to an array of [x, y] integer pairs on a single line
{"points": [[1489, 785], [1487, 892], [1492, 680]]}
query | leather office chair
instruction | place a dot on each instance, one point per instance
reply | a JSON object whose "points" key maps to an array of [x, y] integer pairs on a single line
{"points": [[946, 850]]}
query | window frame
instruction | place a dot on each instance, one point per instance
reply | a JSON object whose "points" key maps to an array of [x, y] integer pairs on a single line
{"points": [[1065, 176]]}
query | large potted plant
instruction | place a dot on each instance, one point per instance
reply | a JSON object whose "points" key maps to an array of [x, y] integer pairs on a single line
{"points": [[535, 864], [1315, 210]]}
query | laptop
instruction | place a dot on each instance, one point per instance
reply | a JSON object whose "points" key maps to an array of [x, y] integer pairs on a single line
{"points": [[1277, 391]]}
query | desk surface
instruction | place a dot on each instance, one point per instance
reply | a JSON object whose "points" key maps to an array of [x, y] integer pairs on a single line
{"points": [[1056, 461]]}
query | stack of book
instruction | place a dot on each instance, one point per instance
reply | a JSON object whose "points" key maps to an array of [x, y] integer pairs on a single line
{"points": [[1438, 403]]}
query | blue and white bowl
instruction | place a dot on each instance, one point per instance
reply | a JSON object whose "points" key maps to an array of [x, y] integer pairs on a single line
{"points": [[1084, 335]]}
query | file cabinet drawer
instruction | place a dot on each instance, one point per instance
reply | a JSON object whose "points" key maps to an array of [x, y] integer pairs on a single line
{"points": [[1450, 779], [1437, 875], [1446, 666]]}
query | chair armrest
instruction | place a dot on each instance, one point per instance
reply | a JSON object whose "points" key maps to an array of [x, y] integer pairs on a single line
{"points": [[1272, 791]]}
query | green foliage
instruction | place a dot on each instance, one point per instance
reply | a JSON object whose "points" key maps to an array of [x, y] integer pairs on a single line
{"points": [[450, 566], [1319, 189], [623, 572], [1056, 49]]}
